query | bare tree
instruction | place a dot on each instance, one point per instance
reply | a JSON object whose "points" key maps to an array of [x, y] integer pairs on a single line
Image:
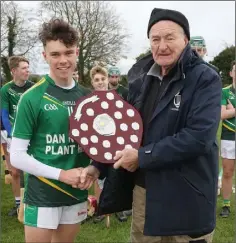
{"points": [[101, 31], [19, 33]]}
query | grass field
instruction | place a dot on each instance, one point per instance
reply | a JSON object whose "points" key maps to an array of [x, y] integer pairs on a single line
{"points": [[12, 230]]}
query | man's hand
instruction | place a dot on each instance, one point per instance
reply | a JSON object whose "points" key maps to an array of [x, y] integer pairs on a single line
{"points": [[128, 159], [70, 177], [87, 176]]}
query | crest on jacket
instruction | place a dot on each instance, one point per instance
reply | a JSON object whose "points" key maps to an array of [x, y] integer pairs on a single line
{"points": [[177, 101], [102, 123]]}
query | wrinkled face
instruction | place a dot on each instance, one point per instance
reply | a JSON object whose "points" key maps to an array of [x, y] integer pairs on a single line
{"points": [[21, 73], [232, 74], [61, 59], [167, 41], [100, 82], [114, 79]]}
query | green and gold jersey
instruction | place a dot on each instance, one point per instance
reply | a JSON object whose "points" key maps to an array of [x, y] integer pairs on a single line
{"points": [[10, 95], [43, 118], [228, 125]]}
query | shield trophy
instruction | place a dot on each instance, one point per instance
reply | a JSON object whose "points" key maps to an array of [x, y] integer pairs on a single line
{"points": [[103, 123]]}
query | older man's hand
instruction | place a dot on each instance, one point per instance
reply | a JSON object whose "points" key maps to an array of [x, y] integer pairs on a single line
{"points": [[128, 159]]}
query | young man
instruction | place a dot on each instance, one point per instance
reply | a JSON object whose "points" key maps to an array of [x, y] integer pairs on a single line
{"points": [[114, 78], [199, 45], [10, 95], [99, 78], [41, 145], [99, 82], [228, 141]]}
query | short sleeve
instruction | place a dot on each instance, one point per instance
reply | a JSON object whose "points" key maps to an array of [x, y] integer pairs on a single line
{"points": [[26, 117], [4, 98]]}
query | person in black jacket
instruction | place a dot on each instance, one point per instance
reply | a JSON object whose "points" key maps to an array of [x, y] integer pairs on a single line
{"points": [[175, 170]]}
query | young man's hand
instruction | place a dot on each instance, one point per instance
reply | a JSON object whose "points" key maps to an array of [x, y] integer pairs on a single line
{"points": [[87, 176], [230, 106], [70, 177], [227, 111]]}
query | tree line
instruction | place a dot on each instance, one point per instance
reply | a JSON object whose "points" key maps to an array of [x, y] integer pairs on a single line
{"points": [[102, 34], [103, 37]]}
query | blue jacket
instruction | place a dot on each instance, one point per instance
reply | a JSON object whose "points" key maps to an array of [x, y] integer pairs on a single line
{"points": [[180, 153]]}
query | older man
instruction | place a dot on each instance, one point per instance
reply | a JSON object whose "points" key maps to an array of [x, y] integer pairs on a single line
{"points": [[114, 79], [179, 98], [10, 96]]}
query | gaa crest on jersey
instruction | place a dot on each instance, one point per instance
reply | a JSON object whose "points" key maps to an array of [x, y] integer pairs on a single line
{"points": [[102, 123]]}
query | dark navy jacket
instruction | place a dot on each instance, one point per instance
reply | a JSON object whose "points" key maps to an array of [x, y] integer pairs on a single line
{"points": [[180, 154]]}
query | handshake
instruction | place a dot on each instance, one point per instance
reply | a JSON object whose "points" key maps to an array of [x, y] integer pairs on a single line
{"points": [[81, 178]]}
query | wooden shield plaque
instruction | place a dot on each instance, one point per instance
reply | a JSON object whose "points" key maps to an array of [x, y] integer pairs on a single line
{"points": [[103, 123]]}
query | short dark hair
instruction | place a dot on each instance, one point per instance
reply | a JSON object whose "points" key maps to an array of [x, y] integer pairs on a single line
{"points": [[232, 65], [58, 29]]}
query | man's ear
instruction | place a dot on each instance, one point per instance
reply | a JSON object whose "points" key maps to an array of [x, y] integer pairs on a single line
{"points": [[44, 55], [12, 71], [186, 41]]}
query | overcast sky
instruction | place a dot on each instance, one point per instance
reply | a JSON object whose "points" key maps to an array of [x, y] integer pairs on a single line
{"points": [[214, 20]]}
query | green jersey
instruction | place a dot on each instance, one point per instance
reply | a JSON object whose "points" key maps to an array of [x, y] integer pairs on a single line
{"points": [[122, 91], [228, 125], [43, 118], [10, 95]]}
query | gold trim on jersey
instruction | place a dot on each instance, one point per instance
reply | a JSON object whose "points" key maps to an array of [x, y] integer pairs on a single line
{"points": [[55, 186], [229, 128], [53, 101], [226, 87], [7, 83]]}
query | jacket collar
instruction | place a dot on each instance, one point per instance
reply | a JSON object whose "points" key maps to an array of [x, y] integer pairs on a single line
{"points": [[183, 62]]}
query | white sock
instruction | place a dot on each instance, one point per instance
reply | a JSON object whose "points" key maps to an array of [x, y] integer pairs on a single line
{"points": [[17, 201]]}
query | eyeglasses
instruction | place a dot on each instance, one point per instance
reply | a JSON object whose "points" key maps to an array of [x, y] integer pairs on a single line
{"points": [[114, 76]]}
